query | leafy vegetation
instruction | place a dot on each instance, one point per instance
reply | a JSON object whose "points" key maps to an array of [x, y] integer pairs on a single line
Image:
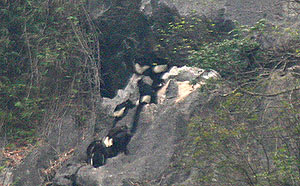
{"points": [[45, 51], [181, 36], [50, 55], [249, 137], [241, 144], [231, 56]]}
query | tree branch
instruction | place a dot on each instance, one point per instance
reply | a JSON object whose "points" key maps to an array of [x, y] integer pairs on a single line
{"points": [[259, 94]]}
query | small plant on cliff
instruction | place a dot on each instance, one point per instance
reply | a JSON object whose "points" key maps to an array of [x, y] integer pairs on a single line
{"points": [[183, 35], [232, 56], [45, 54], [242, 142]]}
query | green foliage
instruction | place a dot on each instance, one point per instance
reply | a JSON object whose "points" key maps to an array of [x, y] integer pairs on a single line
{"points": [[242, 141], [2, 168], [183, 36], [233, 56], [238, 145], [247, 50], [45, 50], [228, 56]]}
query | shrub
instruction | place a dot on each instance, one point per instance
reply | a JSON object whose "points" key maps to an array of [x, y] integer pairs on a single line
{"points": [[232, 56], [243, 143], [45, 53]]}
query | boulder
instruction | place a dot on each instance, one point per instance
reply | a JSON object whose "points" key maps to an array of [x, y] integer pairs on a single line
{"points": [[245, 12], [158, 140], [6, 176], [63, 133], [30, 171], [130, 92]]}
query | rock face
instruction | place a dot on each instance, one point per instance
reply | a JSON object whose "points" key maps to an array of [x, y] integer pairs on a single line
{"points": [[63, 135], [244, 11], [6, 177], [157, 148], [157, 141], [123, 42]]}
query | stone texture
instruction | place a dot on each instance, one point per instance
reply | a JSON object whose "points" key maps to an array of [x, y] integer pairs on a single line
{"points": [[29, 172], [156, 141], [6, 176], [244, 11]]}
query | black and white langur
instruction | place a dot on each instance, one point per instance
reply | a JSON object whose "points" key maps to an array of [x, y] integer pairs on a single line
{"points": [[116, 141], [121, 110], [150, 65], [158, 68], [146, 90], [141, 69], [113, 143], [96, 154], [142, 65], [151, 82]]}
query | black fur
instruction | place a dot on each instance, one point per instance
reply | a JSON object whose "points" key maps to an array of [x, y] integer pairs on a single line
{"points": [[117, 130], [156, 77], [96, 154], [121, 138], [146, 90], [150, 59], [127, 105]]}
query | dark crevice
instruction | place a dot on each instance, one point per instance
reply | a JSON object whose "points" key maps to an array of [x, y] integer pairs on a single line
{"points": [[73, 176], [150, 68], [136, 119]]}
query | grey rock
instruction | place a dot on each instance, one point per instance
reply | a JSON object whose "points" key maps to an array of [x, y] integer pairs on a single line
{"points": [[66, 176], [249, 12], [183, 73], [172, 90], [146, 7], [29, 172], [244, 11], [151, 150], [130, 92], [149, 7], [98, 7], [62, 133], [6, 176], [86, 176], [155, 143], [59, 128], [189, 74]]}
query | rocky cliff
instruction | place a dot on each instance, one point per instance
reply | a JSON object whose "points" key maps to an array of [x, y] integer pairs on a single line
{"points": [[158, 150], [245, 12], [155, 150]]}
